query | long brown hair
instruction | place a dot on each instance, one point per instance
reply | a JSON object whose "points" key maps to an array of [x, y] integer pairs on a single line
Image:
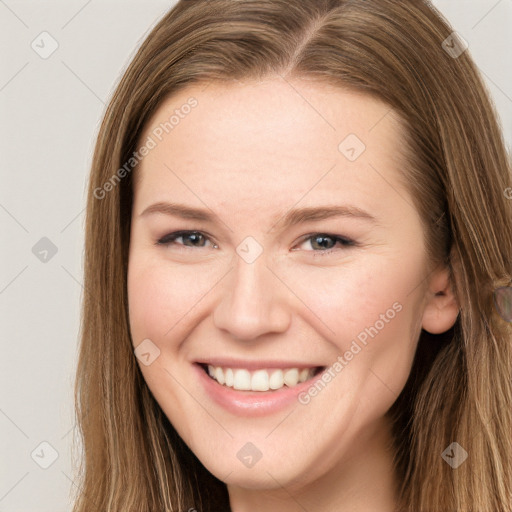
{"points": [[457, 171]]}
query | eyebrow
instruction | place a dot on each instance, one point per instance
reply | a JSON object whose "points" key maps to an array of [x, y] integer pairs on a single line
{"points": [[289, 219]]}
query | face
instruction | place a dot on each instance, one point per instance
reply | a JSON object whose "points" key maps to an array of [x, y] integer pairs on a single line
{"points": [[272, 242]]}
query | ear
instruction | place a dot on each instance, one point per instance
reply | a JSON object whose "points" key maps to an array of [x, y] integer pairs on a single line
{"points": [[441, 306]]}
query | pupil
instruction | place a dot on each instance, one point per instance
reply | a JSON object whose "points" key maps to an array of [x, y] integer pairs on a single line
{"points": [[322, 238], [194, 236]]}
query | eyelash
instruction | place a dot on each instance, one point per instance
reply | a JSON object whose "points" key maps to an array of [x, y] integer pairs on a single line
{"points": [[169, 239]]}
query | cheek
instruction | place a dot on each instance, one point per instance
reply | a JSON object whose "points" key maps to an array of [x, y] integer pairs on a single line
{"points": [[347, 299], [369, 315], [161, 295], [148, 302], [342, 301]]}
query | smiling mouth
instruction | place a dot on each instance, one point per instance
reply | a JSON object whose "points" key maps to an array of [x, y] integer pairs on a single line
{"points": [[271, 379]]}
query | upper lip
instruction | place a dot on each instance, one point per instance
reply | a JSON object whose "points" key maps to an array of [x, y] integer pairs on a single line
{"points": [[226, 362]]}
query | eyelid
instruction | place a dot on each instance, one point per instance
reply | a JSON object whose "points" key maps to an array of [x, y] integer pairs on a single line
{"points": [[340, 238], [344, 240], [171, 237]]}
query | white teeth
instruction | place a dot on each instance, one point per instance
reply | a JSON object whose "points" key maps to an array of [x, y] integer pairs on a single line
{"points": [[241, 381], [219, 375], [276, 380], [230, 378], [259, 380], [291, 377], [303, 374]]}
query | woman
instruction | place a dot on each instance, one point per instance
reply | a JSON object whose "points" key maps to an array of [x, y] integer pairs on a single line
{"points": [[296, 221]]}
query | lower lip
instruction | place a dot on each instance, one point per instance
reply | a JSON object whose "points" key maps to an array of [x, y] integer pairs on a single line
{"points": [[251, 403]]}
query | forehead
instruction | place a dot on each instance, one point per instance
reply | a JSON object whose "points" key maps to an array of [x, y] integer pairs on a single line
{"points": [[247, 142]]}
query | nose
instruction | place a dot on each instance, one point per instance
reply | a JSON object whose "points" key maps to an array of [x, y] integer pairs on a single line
{"points": [[254, 301]]}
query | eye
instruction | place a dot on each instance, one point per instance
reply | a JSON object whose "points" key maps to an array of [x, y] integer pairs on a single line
{"points": [[326, 242], [322, 243], [195, 237]]}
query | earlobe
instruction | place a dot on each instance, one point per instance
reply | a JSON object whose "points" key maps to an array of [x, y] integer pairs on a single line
{"points": [[442, 308]]}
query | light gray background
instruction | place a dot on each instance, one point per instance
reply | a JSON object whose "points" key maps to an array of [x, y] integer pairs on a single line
{"points": [[50, 112]]}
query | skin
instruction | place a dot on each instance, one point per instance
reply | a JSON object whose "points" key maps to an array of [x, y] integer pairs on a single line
{"points": [[250, 152]]}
